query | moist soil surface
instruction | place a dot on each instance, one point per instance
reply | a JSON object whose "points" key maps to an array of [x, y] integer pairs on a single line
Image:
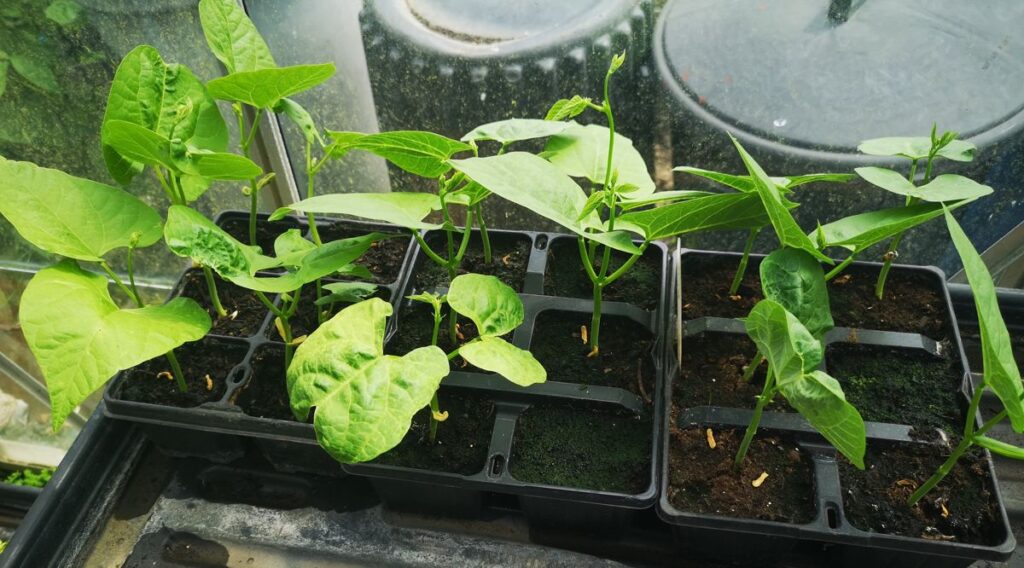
{"points": [[383, 259], [305, 320], [152, 383], [712, 374], [266, 232], [706, 282], [962, 508], [913, 302], [510, 255], [589, 446], [463, 440], [415, 326], [703, 480], [565, 276], [245, 311], [623, 361], [899, 386], [266, 393]]}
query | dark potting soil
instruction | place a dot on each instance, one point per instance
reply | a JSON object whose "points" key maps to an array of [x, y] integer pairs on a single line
{"points": [[265, 395], [706, 281], [899, 386], [913, 302], [703, 480], [245, 311], [416, 324], [266, 232], [623, 361], [151, 382], [961, 508], [712, 374], [565, 276], [589, 446], [509, 257], [305, 319], [383, 259], [463, 440]]}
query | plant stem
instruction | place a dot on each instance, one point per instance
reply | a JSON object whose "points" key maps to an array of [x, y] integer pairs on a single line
{"points": [[742, 269], [755, 362], [942, 472], [310, 181], [626, 265], [246, 142], [484, 236], [211, 285], [767, 394], [429, 251], [595, 320], [435, 408], [890, 251], [842, 265], [179, 376]]}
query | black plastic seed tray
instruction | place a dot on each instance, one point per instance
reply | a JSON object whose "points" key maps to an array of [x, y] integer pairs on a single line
{"points": [[847, 545]]}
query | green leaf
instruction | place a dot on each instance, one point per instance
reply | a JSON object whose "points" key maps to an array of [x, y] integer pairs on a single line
{"points": [[422, 153], [430, 298], [491, 304], [536, 184], [951, 187], [164, 98], [582, 151], [887, 180], [712, 212], [858, 232], [405, 209], [629, 202], [341, 143], [81, 339], [71, 216], [796, 181], [364, 400], [301, 118], [1000, 448], [218, 165], [232, 37], [786, 228], [790, 348], [796, 281], [515, 130], [739, 183], [1000, 369], [263, 88], [617, 61], [496, 355], [35, 71], [819, 398], [917, 148], [347, 292], [193, 187], [290, 246], [469, 195], [565, 109], [4, 66], [64, 12]]}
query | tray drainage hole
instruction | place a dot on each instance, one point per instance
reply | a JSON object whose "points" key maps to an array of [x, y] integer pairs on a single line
{"points": [[832, 514], [238, 375], [497, 466], [542, 242]]}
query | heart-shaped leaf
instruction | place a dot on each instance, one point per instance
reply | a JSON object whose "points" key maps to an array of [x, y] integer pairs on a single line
{"points": [[405, 209], [491, 304], [232, 37], [81, 339], [783, 340], [263, 88], [71, 216], [796, 281], [582, 151], [496, 355], [819, 398], [515, 130], [364, 400]]}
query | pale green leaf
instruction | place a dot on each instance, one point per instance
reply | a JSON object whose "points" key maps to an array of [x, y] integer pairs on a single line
{"points": [[582, 151], [35, 71], [81, 339], [364, 400], [819, 398], [64, 12], [629, 202], [796, 281], [290, 245], [232, 37], [346, 292], [301, 118], [218, 165], [193, 187], [858, 232], [496, 355], [488, 302], [739, 183], [887, 180], [142, 145], [565, 109], [790, 348], [916, 148], [422, 153], [515, 130], [71, 216], [951, 187], [138, 143], [796, 181], [405, 209], [714, 212], [263, 88], [1000, 371]]}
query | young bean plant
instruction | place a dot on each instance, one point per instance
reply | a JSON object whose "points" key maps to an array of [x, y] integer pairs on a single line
{"points": [[365, 400]]}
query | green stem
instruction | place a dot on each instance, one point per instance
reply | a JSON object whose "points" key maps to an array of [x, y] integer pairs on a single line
{"points": [[310, 181], [890, 251], [626, 265], [467, 233], [437, 324], [767, 394], [585, 259], [755, 362], [211, 285], [268, 304], [179, 376], [742, 270], [246, 142], [429, 251], [484, 236], [447, 226], [131, 273], [120, 283], [972, 410], [179, 191], [942, 472], [595, 319], [435, 408], [167, 188], [842, 265]]}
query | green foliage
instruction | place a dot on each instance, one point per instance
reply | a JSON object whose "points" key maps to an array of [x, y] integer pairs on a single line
{"points": [[301, 117], [566, 109], [232, 37], [581, 151], [706, 212], [264, 88], [863, 230], [30, 477], [514, 130], [499, 356], [946, 187], [404, 209], [422, 153], [918, 148], [80, 338], [795, 280], [71, 216]]}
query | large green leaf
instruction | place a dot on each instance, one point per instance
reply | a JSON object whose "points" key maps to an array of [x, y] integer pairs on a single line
{"points": [[422, 153], [819, 398], [628, 202], [539, 186], [81, 339], [714, 212], [515, 129], [886, 179], [790, 348], [916, 148], [164, 98], [582, 151], [1000, 368], [71, 216], [796, 281], [232, 37], [404, 209], [947, 187], [263, 88], [218, 165], [786, 228], [490, 303], [364, 400], [858, 232], [496, 355]]}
